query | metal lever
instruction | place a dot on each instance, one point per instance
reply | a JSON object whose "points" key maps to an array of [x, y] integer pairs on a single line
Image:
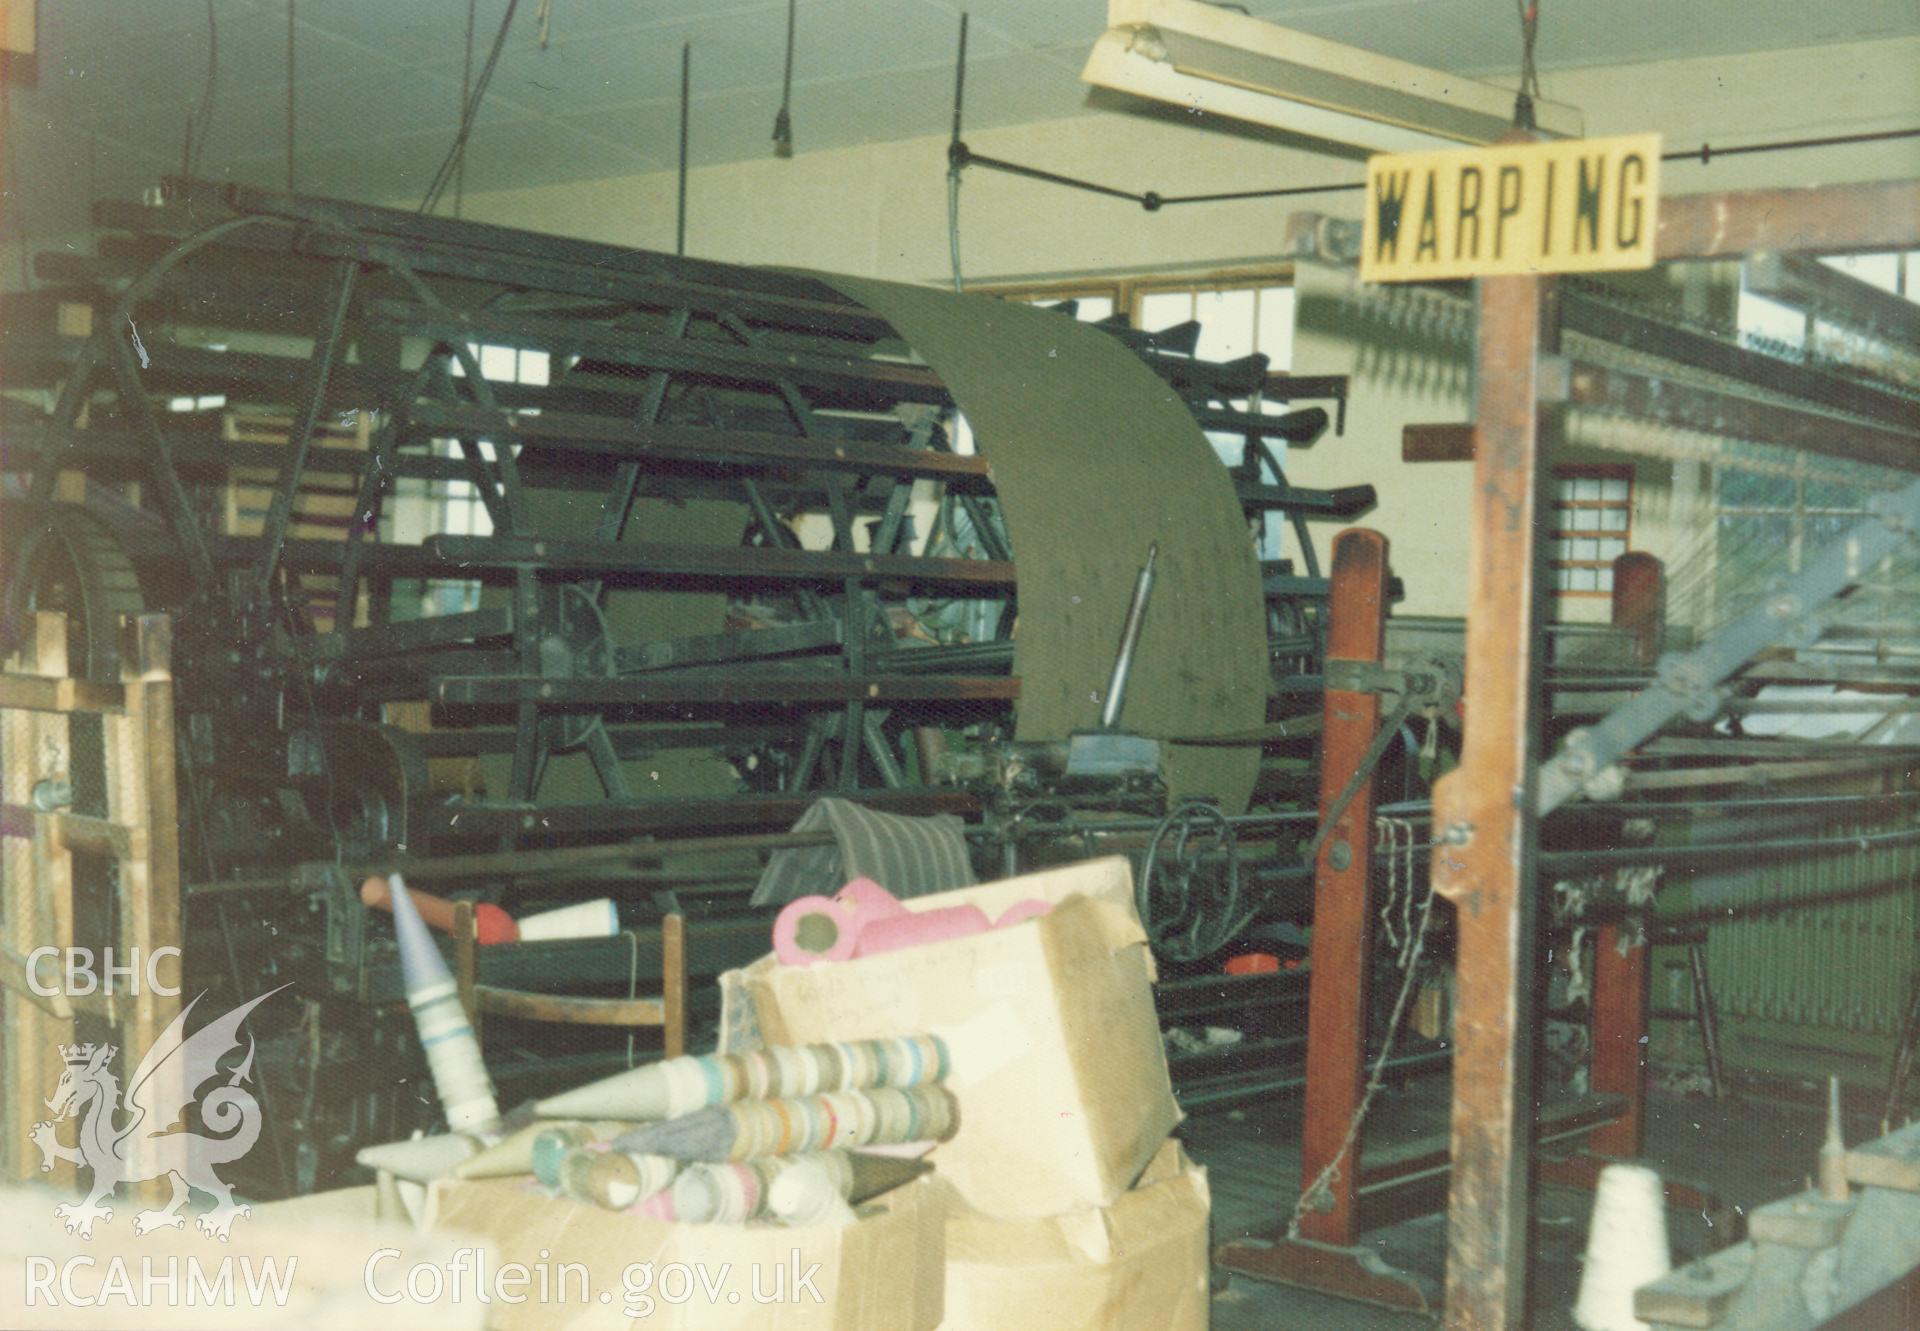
{"points": [[1129, 639]]}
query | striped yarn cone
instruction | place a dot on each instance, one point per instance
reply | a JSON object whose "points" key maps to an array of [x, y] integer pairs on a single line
{"points": [[755, 1128], [680, 1086], [620, 1179], [810, 1192], [551, 1146], [453, 1051]]}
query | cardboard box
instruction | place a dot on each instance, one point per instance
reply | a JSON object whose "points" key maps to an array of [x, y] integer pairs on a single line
{"points": [[885, 1273], [1057, 1061], [1138, 1265], [317, 1263]]}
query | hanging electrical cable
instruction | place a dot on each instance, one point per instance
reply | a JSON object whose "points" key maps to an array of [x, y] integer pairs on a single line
{"points": [[957, 157], [203, 120], [466, 91], [783, 122], [290, 120], [1529, 73], [686, 115], [457, 152]]}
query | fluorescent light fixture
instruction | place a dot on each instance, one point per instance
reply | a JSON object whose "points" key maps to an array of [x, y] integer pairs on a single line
{"points": [[1219, 62]]}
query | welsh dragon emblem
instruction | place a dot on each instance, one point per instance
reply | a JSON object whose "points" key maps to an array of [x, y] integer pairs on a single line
{"points": [[143, 1137]]}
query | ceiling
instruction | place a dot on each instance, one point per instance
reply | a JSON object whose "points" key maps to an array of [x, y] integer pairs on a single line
{"points": [[378, 82]]}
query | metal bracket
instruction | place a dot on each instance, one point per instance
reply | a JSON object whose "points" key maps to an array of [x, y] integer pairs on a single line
{"points": [[1430, 681]]}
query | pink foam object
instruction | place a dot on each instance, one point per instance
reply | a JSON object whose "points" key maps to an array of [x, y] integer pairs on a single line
{"points": [[916, 928], [1021, 911], [815, 928], [869, 901]]}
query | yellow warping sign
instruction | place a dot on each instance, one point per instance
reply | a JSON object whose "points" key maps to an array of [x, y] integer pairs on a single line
{"points": [[1572, 206]]}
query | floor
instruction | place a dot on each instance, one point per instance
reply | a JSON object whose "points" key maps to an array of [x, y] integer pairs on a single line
{"points": [[1746, 1152]]}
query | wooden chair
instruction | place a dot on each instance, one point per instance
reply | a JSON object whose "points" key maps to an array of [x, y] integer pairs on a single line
{"points": [[668, 1011]]}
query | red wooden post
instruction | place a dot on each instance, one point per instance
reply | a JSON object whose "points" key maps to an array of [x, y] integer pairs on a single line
{"points": [[1325, 1256], [1620, 980], [1342, 901]]}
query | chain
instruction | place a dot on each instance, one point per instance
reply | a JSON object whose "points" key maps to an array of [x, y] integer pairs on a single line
{"points": [[1320, 1192], [1386, 841]]}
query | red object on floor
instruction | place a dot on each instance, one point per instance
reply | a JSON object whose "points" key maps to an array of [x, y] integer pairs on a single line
{"points": [[491, 924], [1252, 963]]}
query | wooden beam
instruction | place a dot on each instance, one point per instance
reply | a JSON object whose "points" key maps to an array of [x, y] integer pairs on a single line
{"points": [[1823, 219], [1437, 443]]}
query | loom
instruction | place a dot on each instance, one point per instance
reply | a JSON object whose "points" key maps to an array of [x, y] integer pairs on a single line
{"points": [[738, 558]]}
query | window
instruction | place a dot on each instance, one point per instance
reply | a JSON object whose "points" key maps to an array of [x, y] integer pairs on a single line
{"points": [[454, 507], [1775, 326], [1776, 508], [1240, 313], [1591, 519], [1770, 519]]}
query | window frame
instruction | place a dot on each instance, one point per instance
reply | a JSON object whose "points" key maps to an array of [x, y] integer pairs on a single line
{"points": [[1556, 531], [1128, 291]]}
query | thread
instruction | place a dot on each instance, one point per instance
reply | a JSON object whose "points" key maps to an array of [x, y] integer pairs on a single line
{"points": [[1626, 1247], [576, 1173], [1833, 1151], [551, 1147], [453, 1051], [419, 1159], [514, 1153], [721, 1194], [620, 1179], [491, 924], [584, 919], [813, 1190], [755, 1128], [679, 1086]]}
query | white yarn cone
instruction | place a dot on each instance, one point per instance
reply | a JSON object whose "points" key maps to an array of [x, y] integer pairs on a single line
{"points": [[583, 919], [1626, 1247]]}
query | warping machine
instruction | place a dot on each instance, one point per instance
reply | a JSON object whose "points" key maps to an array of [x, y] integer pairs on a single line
{"points": [[517, 562]]}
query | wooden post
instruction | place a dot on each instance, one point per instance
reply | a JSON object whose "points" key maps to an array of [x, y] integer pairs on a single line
{"points": [[1621, 960], [673, 983], [143, 797], [1483, 814], [1325, 1255], [39, 910], [1342, 899], [466, 961]]}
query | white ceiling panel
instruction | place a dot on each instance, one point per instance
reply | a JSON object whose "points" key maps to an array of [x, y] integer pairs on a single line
{"points": [[378, 80]]}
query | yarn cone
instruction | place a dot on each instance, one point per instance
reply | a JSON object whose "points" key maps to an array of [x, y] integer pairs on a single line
{"points": [[453, 1052], [584, 919], [619, 1179], [421, 1159], [680, 1086], [754, 1128], [513, 1153], [807, 1192], [491, 924], [1626, 1247]]}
